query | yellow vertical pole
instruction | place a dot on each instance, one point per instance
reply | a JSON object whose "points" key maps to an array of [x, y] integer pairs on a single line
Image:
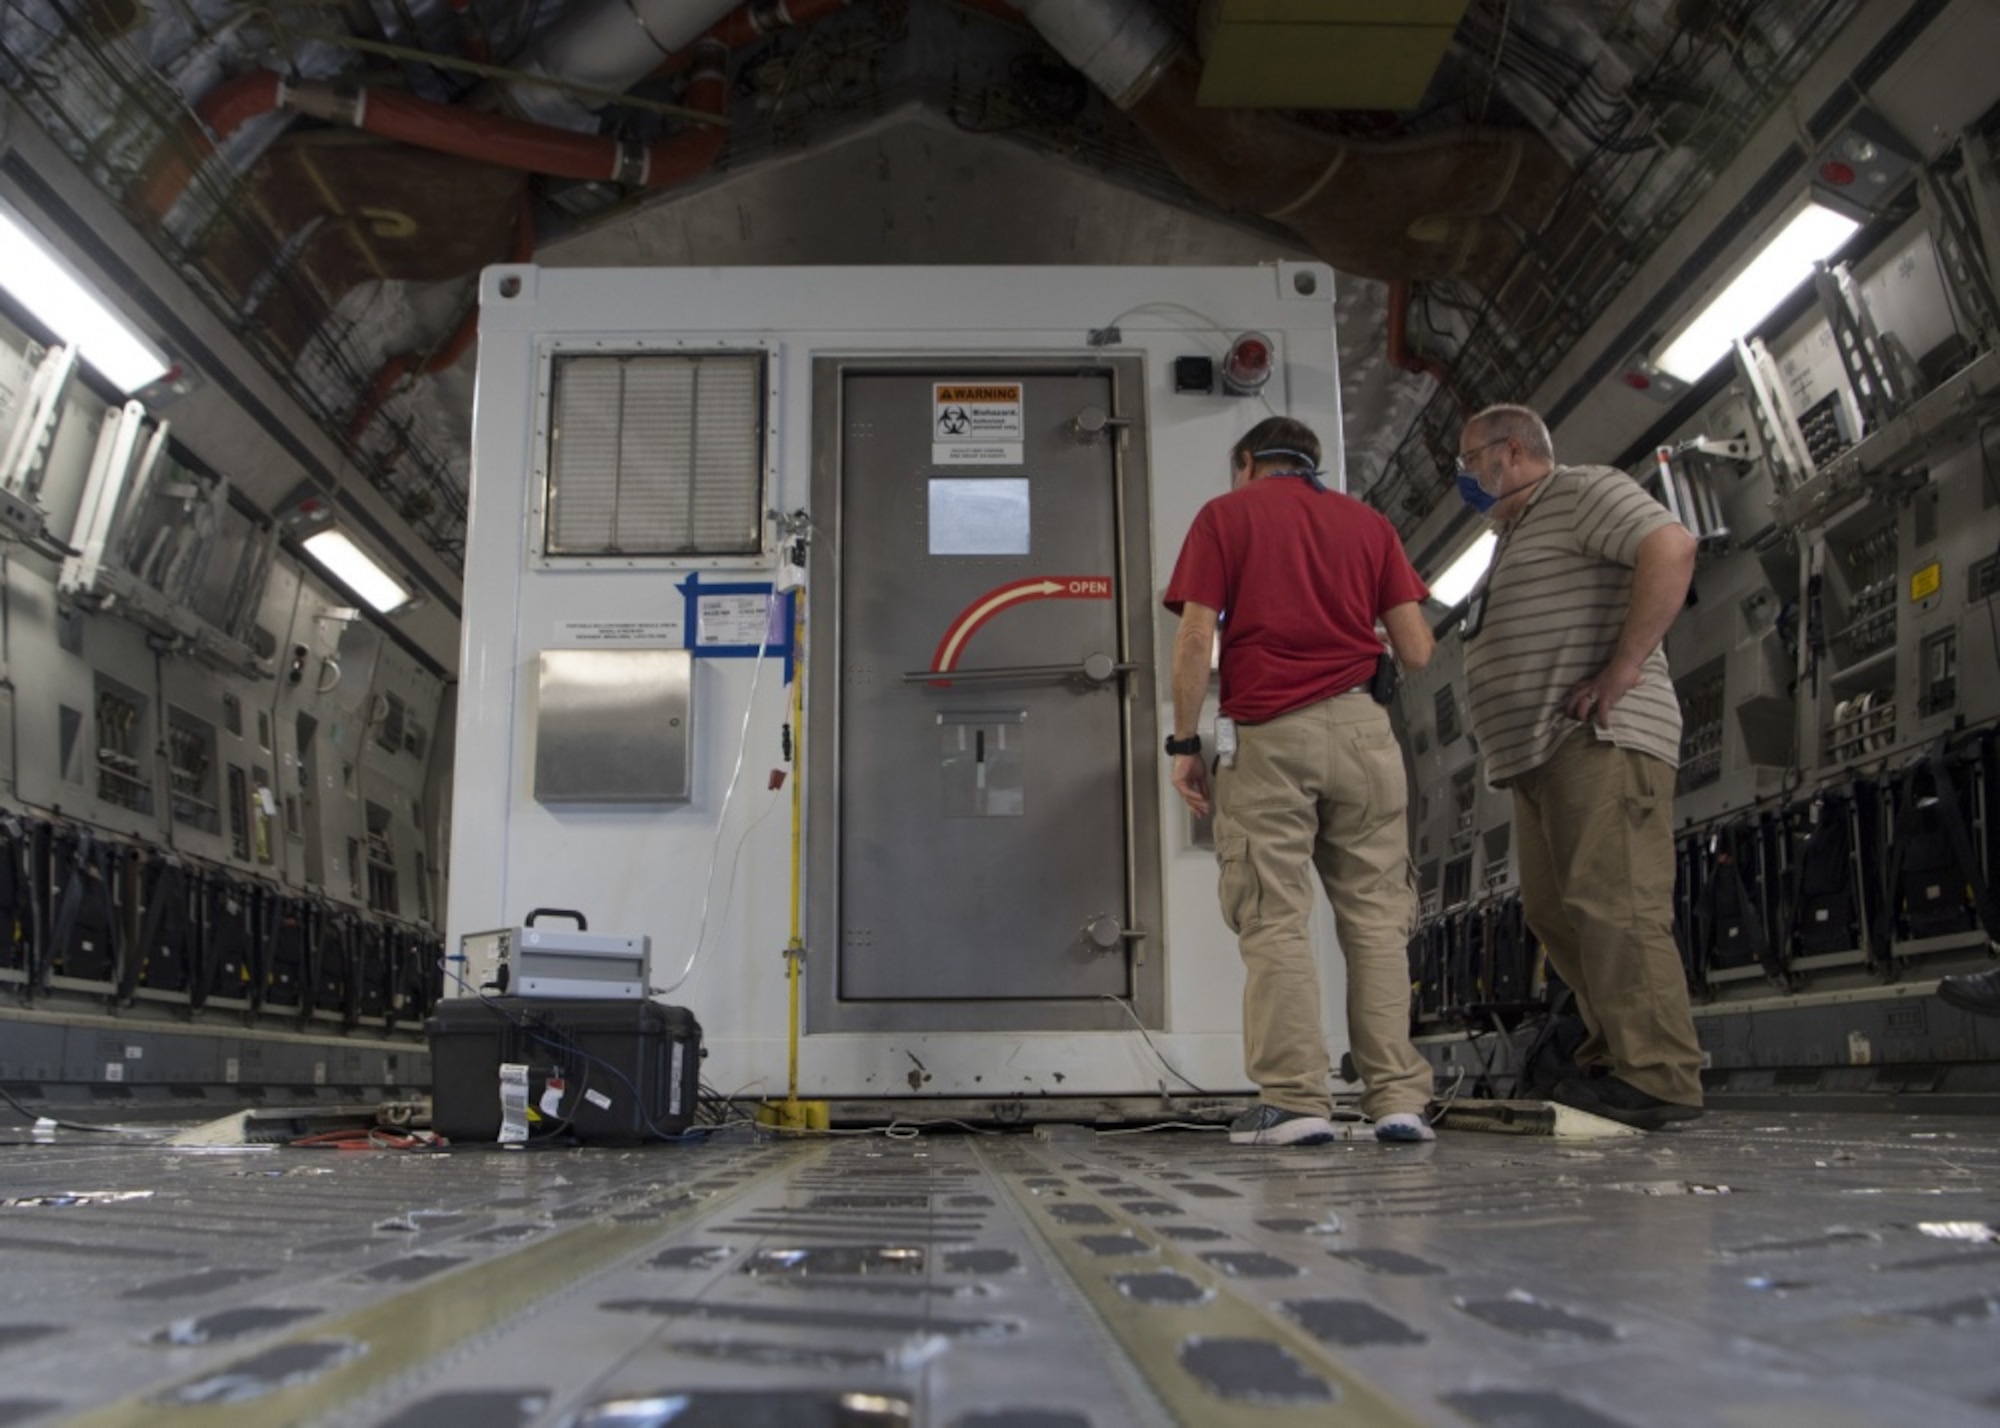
{"points": [[792, 1113], [795, 950]]}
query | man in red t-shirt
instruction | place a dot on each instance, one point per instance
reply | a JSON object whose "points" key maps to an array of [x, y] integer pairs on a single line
{"points": [[1301, 575]]}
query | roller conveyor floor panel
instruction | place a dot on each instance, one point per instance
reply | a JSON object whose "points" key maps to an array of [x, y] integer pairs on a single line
{"points": [[1751, 1269]]}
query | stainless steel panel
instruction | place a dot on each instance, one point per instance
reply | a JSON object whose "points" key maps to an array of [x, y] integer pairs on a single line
{"points": [[613, 726], [935, 892]]}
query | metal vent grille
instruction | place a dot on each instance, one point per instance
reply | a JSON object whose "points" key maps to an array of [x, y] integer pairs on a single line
{"points": [[1983, 578], [1445, 710], [655, 454]]}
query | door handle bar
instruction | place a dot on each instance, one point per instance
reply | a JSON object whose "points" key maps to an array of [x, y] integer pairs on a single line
{"points": [[1097, 669]]}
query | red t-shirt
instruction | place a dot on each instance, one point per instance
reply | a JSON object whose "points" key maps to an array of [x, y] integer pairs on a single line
{"points": [[1300, 577]]}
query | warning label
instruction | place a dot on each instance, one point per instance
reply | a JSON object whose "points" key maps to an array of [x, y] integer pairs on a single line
{"points": [[976, 423]]}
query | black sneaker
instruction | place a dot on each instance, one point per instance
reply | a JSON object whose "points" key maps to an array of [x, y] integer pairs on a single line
{"points": [[1272, 1125], [1975, 992], [1621, 1101]]}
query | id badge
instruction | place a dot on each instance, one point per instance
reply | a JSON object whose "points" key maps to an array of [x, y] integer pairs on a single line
{"points": [[1475, 613]]}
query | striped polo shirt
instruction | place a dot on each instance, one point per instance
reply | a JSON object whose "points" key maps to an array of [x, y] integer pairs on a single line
{"points": [[1556, 594]]}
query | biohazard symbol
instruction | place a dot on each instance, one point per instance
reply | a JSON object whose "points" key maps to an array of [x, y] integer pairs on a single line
{"points": [[953, 421]]}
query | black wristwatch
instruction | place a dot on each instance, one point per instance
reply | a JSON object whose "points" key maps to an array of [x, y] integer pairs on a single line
{"points": [[1190, 745]]}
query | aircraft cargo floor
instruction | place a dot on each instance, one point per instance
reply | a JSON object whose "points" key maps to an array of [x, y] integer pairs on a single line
{"points": [[1753, 1269]]}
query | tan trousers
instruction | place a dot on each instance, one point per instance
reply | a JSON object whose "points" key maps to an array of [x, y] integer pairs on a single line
{"points": [[1322, 788], [1593, 833]]}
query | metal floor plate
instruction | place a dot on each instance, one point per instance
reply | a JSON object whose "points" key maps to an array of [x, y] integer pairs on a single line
{"points": [[1753, 1269]]}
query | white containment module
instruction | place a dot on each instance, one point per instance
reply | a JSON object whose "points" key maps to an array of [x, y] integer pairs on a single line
{"points": [[945, 501]]}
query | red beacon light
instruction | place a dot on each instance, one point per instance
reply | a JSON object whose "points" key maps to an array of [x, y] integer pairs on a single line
{"points": [[1248, 366]]}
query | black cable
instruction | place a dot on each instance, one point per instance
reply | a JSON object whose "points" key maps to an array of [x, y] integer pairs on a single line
{"points": [[1423, 297], [638, 1100], [69, 1125], [1571, 104], [550, 1034], [1571, 74], [1574, 93]]}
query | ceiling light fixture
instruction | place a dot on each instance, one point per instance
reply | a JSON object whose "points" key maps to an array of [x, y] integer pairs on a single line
{"points": [[65, 302], [1813, 234], [357, 570], [1462, 574]]}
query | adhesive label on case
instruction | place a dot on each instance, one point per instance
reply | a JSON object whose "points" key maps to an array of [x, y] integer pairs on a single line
{"points": [[598, 1099], [513, 1103]]}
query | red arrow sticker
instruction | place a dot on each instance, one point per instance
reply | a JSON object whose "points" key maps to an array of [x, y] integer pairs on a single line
{"points": [[1036, 587]]}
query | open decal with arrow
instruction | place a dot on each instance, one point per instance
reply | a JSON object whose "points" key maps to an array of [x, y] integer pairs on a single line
{"points": [[1007, 597]]}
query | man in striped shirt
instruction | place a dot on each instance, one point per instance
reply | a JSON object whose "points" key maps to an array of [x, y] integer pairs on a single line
{"points": [[1574, 711]]}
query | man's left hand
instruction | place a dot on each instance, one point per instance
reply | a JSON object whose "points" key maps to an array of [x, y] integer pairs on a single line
{"points": [[1589, 701], [1191, 782]]}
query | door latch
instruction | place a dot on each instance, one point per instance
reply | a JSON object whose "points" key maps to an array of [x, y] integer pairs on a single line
{"points": [[1093, 422], [1106, 932]]}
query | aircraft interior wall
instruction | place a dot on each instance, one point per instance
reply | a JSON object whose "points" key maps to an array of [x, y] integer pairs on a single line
{"points": [[1838, 666], [220, 812]]}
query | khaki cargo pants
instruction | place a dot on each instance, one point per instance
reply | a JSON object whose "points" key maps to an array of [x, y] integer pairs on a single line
{"points": [[1322, 790], [1593, 835]]}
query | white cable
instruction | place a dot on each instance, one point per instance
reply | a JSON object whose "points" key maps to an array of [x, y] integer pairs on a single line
{"points": [[736, 854], [1228, 338], [1163, 306], [722, 819], [1163, 1126], [1158, 1055]]}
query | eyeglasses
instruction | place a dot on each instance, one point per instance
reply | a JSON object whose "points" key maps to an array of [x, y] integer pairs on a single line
{"points": [[1464, 457]]}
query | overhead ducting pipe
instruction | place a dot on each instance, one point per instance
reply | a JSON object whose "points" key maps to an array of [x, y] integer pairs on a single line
{"points": [[221, 112], [747, 24], [1119, 45], [537, 148], [609, 45], [465, 133], [593, 44], [1449, 205]]}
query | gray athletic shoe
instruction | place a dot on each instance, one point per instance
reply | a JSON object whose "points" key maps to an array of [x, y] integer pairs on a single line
{"points": [[1272, 1125]]}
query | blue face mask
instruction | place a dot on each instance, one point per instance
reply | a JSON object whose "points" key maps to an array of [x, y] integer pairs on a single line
{"points": [[1473, 494]]}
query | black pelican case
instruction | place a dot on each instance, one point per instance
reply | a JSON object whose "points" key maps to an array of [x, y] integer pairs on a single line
{"points": [[627, 1071]]}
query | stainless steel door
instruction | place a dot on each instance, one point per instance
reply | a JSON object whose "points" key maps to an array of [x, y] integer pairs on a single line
{"points": [[983, 727]]}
